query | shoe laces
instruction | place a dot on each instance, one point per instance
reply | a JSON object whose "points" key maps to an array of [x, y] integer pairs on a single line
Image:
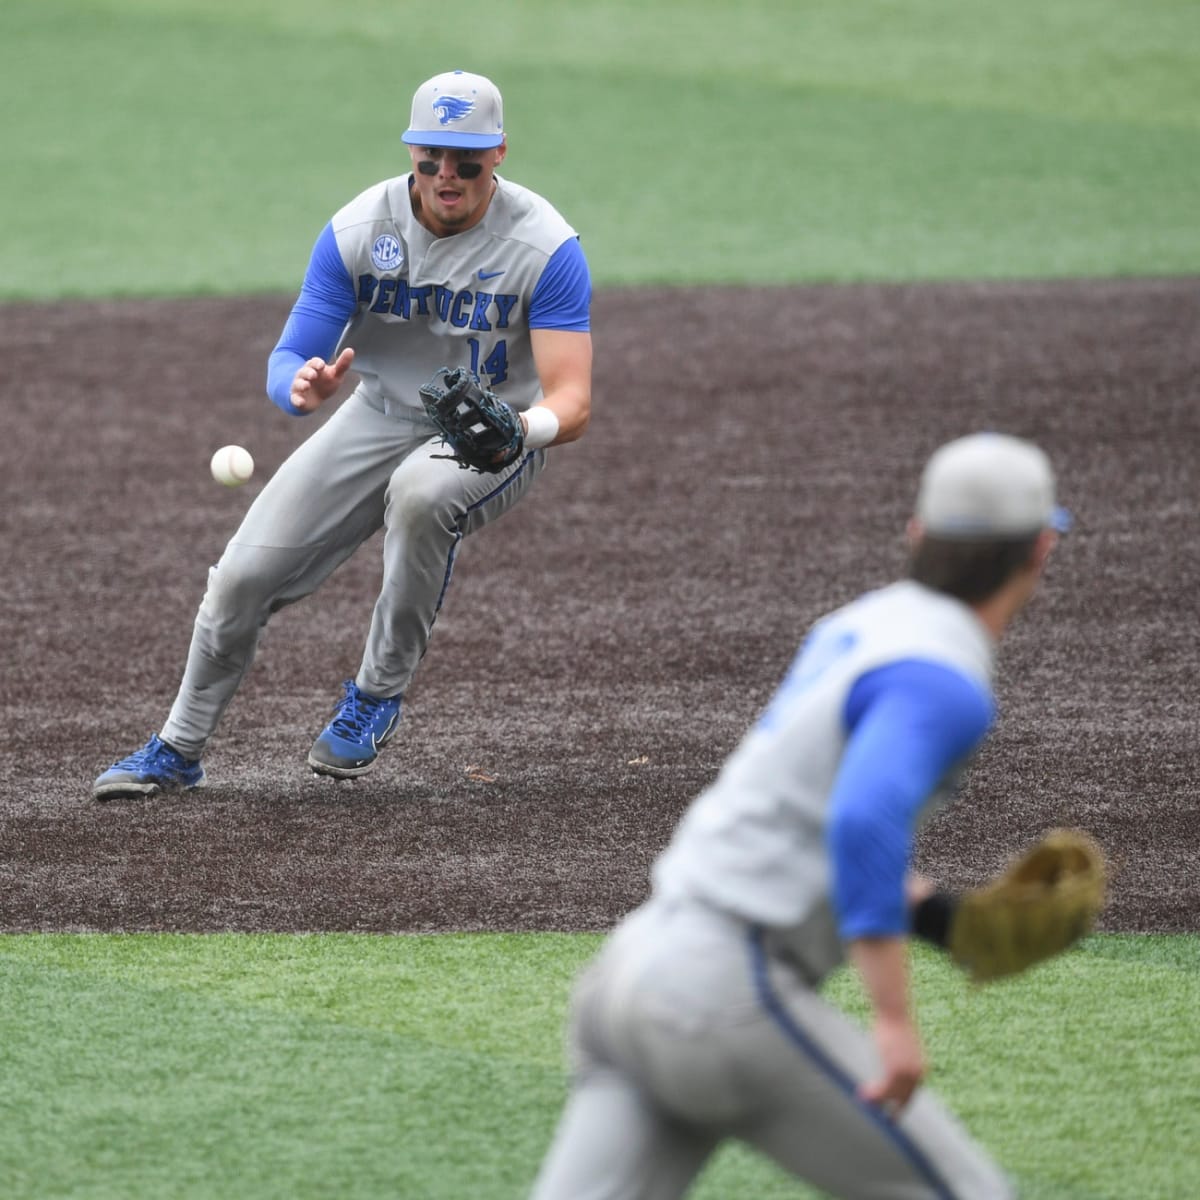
{"points": [[356, 713], [155, 751]]}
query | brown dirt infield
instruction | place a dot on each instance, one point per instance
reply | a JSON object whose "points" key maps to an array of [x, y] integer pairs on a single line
{"points": [[751, 462]]}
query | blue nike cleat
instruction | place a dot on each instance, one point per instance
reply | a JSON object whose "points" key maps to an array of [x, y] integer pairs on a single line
{"points": [[350, 743], [156, 767]]}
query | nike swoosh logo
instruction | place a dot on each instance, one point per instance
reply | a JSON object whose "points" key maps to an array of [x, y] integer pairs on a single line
{"points": [[383, 737], [489, 274]]}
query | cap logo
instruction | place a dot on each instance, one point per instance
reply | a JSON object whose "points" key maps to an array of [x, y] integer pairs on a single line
{"points": [[452, 108]]}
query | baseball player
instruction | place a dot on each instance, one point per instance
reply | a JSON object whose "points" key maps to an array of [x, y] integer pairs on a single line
{"points": [[448, 266], [701, 1018]]}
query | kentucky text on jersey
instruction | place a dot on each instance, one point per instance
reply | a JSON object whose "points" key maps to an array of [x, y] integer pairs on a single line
{"points": [[462, 309]]}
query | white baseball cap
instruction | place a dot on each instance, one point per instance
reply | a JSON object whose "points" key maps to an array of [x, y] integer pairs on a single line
{"points": [[989, 485], [456, 109]]}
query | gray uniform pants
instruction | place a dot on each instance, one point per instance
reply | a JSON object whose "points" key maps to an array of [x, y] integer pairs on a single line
{"points": [[684, 1033], [363, 470]]}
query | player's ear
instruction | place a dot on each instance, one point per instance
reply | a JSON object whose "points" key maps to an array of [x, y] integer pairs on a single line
{"points": [[501, 151], [1045, 543]]}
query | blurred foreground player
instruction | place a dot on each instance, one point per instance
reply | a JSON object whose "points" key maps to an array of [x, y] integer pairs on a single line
{"points": [[701, 1018]]}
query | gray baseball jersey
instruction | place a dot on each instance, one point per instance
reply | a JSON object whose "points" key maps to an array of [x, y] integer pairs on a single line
{"points": [[410, 303], [753, 843], [701, 1018]]}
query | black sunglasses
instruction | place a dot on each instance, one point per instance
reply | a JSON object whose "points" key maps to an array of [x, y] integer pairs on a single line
{"points": [[465, 169]]}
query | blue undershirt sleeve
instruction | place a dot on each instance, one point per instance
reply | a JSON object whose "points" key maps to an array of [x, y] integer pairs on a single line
{"points": [[563, 295], [912, 725], [326, 302]]}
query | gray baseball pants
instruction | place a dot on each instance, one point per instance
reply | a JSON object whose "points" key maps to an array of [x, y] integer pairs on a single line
{"points": [[684, 1033], [364, 470]]}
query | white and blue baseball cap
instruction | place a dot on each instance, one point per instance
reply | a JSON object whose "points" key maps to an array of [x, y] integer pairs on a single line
{"points": [[989, 485], [458, 110]]}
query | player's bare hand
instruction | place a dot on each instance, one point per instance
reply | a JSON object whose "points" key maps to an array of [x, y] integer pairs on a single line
{"points": [[317, 380], [903, 1061]]}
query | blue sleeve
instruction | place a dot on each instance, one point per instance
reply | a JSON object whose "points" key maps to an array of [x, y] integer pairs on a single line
{"points": [[326, 302], [563, 295], [911, 723]]}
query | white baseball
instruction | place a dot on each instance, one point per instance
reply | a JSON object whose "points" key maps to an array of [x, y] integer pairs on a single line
{"points": [[232, 465]]}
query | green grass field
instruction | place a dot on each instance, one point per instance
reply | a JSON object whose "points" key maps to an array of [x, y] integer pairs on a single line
{"points": [[170, 147], [365, 1066], [150, 144]]}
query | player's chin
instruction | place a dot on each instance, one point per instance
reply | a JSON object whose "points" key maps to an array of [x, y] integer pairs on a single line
{"points": [[452, 218]]}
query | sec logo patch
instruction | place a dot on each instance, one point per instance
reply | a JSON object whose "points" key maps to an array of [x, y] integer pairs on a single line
{"points": [[386, 253]]}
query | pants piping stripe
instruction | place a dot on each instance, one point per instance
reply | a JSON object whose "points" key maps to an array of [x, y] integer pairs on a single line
{"points": [[496, 491], [845, 1083]]}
